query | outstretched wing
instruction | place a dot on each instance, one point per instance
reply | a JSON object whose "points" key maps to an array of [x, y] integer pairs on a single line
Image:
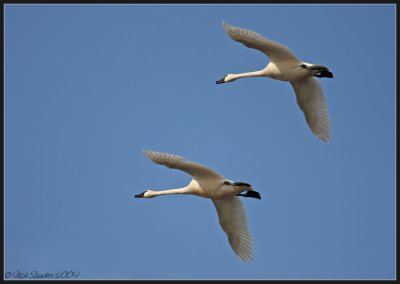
{"points": [[232, 219], [275, 51], [196, 170], [310, 98]]}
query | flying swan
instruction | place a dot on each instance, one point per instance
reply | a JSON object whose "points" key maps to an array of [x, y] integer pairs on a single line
{"points": [[285, 66], [223, 193]]}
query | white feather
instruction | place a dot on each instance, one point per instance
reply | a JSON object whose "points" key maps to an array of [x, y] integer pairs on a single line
{"points": [[207, 183], [285, 66]]}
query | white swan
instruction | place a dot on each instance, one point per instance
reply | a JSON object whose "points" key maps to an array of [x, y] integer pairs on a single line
{"points": [[224, 194], [285, 66]]}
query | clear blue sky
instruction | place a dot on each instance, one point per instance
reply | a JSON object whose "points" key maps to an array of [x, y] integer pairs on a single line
{"points": [[87, 87]]}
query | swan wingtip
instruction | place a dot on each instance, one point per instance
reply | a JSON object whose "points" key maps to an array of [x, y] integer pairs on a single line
{"points": [[147, 152]]}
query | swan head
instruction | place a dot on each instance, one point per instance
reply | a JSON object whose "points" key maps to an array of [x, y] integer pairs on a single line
{"points": [[227, 78], [145, 194]]}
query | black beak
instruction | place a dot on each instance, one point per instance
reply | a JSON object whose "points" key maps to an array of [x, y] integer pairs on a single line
{"points": [[221, 81], [140, 195]]}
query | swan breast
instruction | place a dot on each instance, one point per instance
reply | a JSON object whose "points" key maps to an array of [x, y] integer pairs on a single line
{"points": [[286, 71], [212, 189]]}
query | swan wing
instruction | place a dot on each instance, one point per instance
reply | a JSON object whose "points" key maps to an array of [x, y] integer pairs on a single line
{"points": [[275, 51], [310, 98], [196, 170], [232, 219]]}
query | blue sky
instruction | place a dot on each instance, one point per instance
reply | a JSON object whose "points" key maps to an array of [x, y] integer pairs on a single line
{"points": [[87, 87]]}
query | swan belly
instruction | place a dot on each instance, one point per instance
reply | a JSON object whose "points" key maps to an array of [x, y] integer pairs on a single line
{"points": [[211, 189], [200, 190], [286, 71]]}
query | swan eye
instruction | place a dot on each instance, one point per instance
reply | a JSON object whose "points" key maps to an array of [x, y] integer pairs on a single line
{"points": [[303, 65]]}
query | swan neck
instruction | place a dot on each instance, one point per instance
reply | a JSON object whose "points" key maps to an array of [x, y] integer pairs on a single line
{"points": [[249, 74], [182, 190]]}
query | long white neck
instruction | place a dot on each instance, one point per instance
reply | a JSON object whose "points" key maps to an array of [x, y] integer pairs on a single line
{"points": [[152, 193], [248, 74]]}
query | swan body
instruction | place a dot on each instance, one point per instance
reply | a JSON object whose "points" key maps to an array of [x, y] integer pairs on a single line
{"points": [[285, 66], [224, 194]]}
